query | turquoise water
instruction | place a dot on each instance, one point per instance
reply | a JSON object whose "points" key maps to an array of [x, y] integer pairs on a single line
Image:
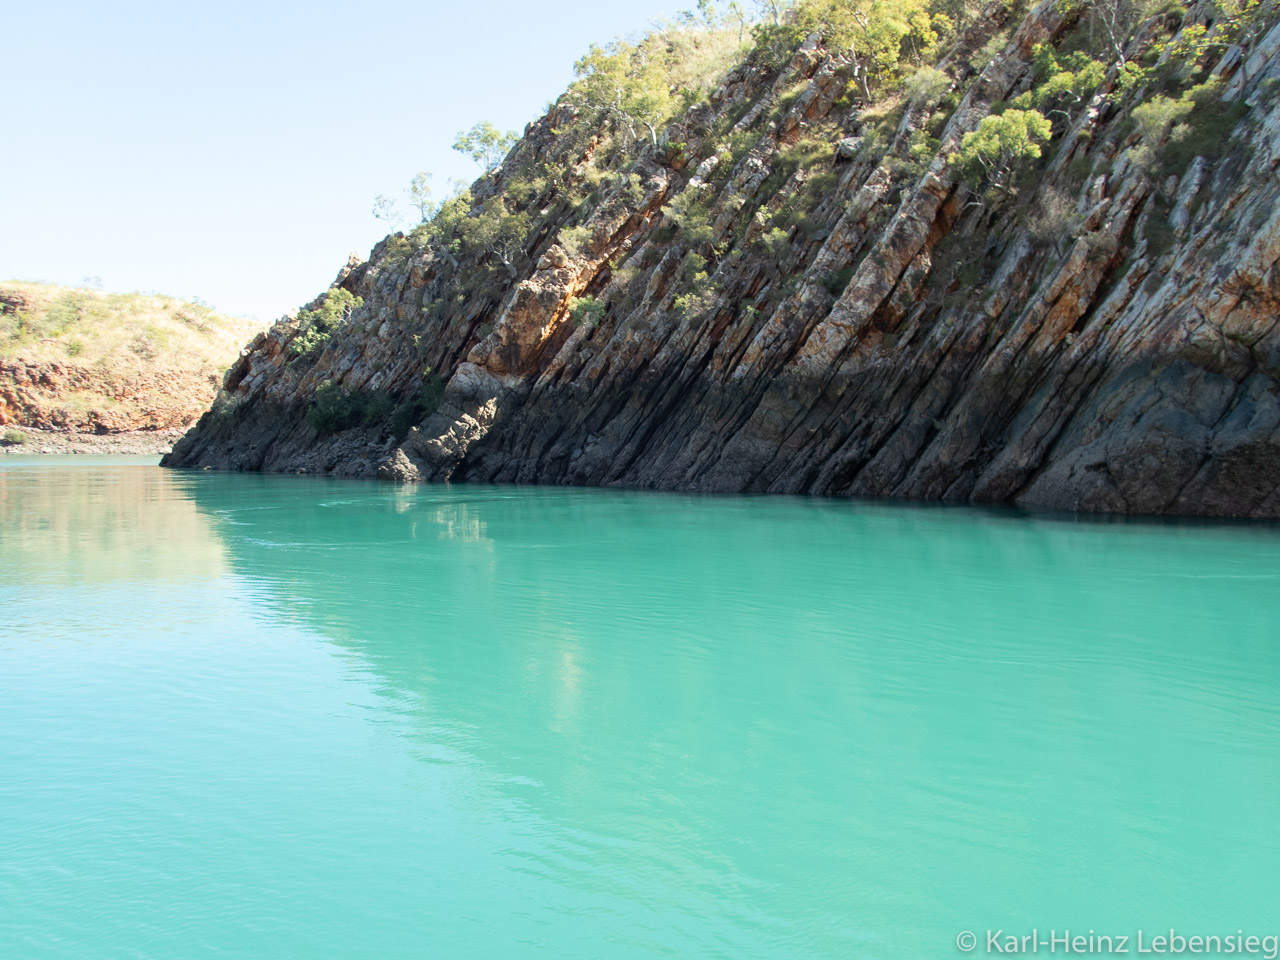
{"points": [[296, 717]]}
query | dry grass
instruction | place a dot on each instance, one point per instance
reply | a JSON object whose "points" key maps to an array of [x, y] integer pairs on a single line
{"points": [[117, 331], [699, 59]]}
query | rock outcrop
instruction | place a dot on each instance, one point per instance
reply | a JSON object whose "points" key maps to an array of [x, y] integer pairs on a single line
{"points": [[43, 395], [867, 324]]}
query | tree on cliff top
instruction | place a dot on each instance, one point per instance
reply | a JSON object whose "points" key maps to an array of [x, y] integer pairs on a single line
{"points": [[877, 34], [643, 85], [626, 82], [485, 144]]}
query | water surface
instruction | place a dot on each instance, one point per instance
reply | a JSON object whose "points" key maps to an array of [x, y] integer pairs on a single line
{"points": [[299, 717]]}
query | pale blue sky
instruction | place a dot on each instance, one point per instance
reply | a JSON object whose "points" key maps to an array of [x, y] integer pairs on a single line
{"points": [[232, 150]]}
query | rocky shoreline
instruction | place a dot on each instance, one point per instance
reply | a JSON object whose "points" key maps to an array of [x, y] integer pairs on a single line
{"points": [[128, 443]]}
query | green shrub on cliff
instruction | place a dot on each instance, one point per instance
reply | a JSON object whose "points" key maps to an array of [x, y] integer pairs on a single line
{"points": [[700, 291], [926, 87], [879, 36], [335, 409], [777, 241], [1157, 116], [836, 280], [641, 86], [992, 154], [586, 311], [332, 409], [489, 231], [13, 438], [315, 327], [1062, 81], [418, 407], [691, 212], [443, 228], [619, 80], [1175, 131], [575, 240], [485, 144], [496, 233]]}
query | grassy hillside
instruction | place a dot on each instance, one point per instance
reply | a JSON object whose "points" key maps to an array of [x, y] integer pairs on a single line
{"points": [[80, 360], [49, 323]]}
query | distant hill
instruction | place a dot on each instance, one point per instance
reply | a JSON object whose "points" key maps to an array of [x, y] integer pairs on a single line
{"points": [[84, 361]]}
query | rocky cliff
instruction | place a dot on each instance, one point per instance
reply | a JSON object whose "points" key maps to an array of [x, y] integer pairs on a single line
{"points": [[798, 288]]}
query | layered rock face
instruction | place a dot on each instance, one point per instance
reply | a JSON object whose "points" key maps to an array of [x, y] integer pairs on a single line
{"points": [[43, 395], [863, 325]]}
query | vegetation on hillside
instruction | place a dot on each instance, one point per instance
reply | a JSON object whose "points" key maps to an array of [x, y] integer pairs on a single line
{"points": [[43, 322], [315, 327], [629, 92], [900, 69], [86, 361]]}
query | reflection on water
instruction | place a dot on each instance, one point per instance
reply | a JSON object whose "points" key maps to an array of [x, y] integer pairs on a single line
{"points": [[101, 519], [392, 721]]}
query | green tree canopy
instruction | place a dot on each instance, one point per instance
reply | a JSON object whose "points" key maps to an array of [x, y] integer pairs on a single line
{"points": [[627, 82], [876, 34], [1001, 144], [485, 144], [420, 195], [1062, 82]]}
